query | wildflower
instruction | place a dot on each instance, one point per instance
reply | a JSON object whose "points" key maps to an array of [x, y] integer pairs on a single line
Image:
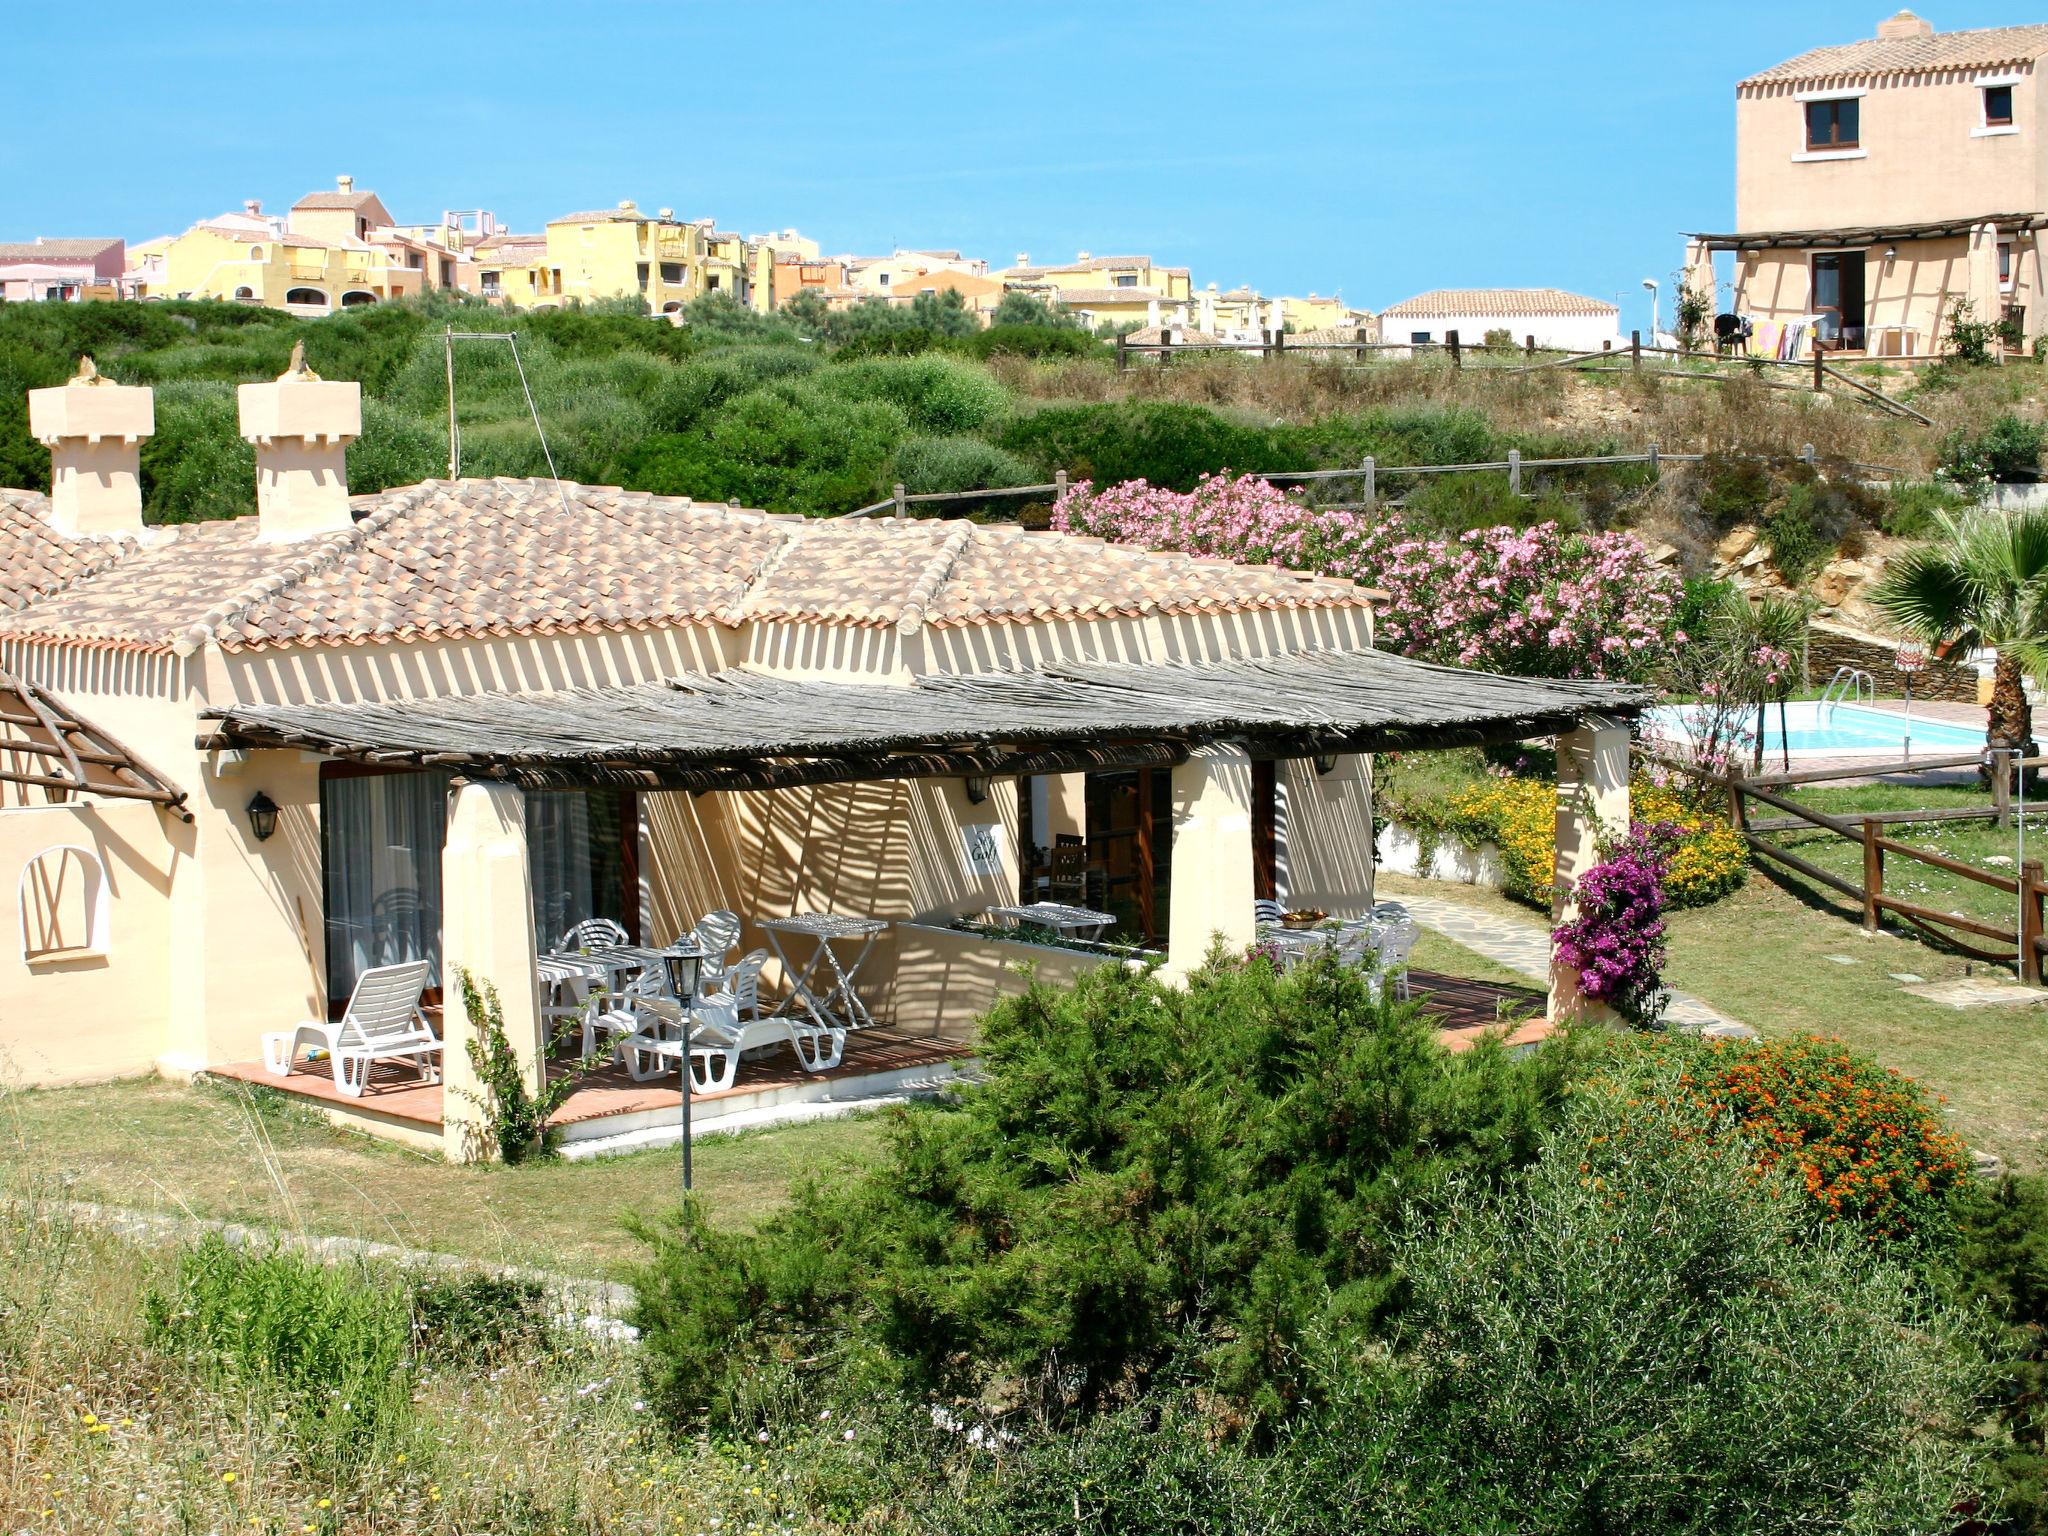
{"points": [[227, 1477]]}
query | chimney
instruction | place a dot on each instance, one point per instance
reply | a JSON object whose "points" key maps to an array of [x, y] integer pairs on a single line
{"points": [[344, 183], [94, 429], [301, 426], [1080, 255], [627, 205], [1023, 259], [253, 206], [1903, 25]]}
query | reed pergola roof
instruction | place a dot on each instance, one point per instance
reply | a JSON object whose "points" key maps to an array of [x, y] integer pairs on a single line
{"points": [[1850, 237], [746, 730], [46, 744]]}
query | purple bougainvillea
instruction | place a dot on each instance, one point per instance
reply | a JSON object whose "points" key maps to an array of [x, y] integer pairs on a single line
{"points": [[1616, 943]]}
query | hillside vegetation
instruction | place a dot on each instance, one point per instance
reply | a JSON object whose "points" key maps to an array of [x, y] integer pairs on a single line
{"points": [[820, 418]]}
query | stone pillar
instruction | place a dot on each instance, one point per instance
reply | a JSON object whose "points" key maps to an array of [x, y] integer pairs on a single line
{"points": [[94, 429], [1212, 857], [487, 931], [1592, 798], [301, 426]]}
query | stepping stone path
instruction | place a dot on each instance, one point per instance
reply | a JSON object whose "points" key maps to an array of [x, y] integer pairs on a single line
{"points": [[1522, 944]]}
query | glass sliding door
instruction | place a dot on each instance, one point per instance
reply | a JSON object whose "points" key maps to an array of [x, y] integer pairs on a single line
{"points": [[584, 847], [381, 837]]}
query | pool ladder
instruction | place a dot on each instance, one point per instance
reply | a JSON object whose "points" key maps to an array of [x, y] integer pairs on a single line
{"points": [[1850, 685]]}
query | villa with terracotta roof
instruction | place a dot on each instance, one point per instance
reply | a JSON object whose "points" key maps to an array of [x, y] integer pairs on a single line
{"points": [[245, 762], [61, 271], [1881, 184], [1561, 321]]}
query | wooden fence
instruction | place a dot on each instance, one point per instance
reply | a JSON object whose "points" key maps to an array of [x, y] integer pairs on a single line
{"points": [[1370, 471], [2021, 944], [1705, 366]]}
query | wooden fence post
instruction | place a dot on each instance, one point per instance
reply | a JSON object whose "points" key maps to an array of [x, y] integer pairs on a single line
{"points": [[1514, 471], [1656, 464], [1451, 341], [1122, 355], [902, 506], [2030, 922], [1165, 344], [1873, 872], [1279, 344], [1820, 378], [1635, 350], [1807, 455], [1372, 491], [1738, 816], [1059, 488], [1529, 346]]}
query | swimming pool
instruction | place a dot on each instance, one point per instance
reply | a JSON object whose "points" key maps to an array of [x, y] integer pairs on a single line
{"points": [[1814, 729]]}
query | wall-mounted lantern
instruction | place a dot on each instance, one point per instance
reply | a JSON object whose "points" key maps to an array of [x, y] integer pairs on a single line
{"points": [[262, 817]]}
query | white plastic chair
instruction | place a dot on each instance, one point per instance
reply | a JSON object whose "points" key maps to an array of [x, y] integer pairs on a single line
{"points": [[1266, 914], [594, 933], [718, 935], [383, 1022], [1391, 945]]}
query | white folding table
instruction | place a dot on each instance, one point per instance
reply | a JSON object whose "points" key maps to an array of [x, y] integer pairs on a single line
{"points": [[837, 1006], [1067, 921]]}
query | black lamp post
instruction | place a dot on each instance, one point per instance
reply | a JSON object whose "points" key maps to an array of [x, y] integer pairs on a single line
{"points": [[682, 961]]}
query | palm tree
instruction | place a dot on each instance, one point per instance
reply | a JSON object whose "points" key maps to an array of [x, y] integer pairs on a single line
{"points": [[1982, 580]]}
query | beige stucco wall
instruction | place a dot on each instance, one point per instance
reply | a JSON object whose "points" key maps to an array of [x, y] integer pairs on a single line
{"points": [[951, 978], [1916, 288], [1325, 835], [1919, 159], [85, 1016]]}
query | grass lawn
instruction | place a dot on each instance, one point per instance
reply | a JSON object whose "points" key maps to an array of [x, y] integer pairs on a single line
{"points": [[232, 1151], [1789, 959]]}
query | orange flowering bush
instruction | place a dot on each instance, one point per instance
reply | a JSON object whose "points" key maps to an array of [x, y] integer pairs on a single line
{"points": [[1866, 1144]]}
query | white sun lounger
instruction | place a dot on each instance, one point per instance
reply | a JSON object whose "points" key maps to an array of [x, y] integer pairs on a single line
{"points": [[383, 1022]]}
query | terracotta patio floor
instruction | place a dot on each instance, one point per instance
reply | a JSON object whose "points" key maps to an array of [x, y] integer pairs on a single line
{"points": [[1464, 1010]]}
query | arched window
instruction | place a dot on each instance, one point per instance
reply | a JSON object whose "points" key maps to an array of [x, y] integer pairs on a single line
{"points": [[63, 900], [672, 307], [357, 296], [305, 296], [255, 253], [245, 293]]}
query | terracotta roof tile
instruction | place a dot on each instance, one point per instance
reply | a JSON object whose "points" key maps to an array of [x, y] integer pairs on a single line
{"points": [[1454, 303], [446, 559], [53, 250], [36, 560], [1981, 48]]}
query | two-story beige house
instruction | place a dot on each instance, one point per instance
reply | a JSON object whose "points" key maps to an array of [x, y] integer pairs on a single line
{"points": [[1879, 183]]}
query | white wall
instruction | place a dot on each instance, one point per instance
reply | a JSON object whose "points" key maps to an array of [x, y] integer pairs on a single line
{"points": [[1562, 333]]}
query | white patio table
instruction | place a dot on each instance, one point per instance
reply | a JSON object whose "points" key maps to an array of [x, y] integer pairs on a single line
{"points": [[1069, 922], [823, 929]]}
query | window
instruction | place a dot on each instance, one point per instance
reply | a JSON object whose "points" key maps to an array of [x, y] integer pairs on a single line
{"points": [[711, 280], [671, 271], [1832, 124], [1997, 106], [1418, 337], [311, 296], [490, 282], [380, 838], [642, 269], [882, 278], [584, 848], [2005, 265], [1125, 280]]}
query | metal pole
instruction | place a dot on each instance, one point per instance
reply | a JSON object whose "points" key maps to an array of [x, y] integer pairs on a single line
{"points": [[687, 1095], [454, 432]]}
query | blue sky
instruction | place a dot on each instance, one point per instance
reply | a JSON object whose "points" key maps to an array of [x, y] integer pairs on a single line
{"points": [[1373, 149]]}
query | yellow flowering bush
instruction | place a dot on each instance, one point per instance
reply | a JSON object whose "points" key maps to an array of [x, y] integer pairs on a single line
{"points": [[1519, 815]]}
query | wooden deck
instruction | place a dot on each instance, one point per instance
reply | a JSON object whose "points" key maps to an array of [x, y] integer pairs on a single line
{"points": [[397, 1092], [1464, 1010]]}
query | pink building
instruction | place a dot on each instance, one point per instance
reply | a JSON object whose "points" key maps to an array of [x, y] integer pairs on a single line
{"points": [[60, 270]]}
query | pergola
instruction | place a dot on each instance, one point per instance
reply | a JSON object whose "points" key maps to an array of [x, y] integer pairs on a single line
{"points": [[45, 744], [746, 731], [1850, 237]]}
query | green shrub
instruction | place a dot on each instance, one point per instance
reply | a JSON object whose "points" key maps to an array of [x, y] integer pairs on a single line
{"points": [[1807, 524], [2009, 449], [1733, 489], [328, 1344], [789, 448], [197, 467], [943, 396], [395, 449], [473, 1316], [1033, 341], [1448, 505], [705, 383], [1164, 442], [927, 464], [1151, 1182], [2000, 1264], [1910, 507]]}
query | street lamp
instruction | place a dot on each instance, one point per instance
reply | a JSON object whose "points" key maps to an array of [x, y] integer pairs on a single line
{"points": [[1656, 317], [682, 961]]}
